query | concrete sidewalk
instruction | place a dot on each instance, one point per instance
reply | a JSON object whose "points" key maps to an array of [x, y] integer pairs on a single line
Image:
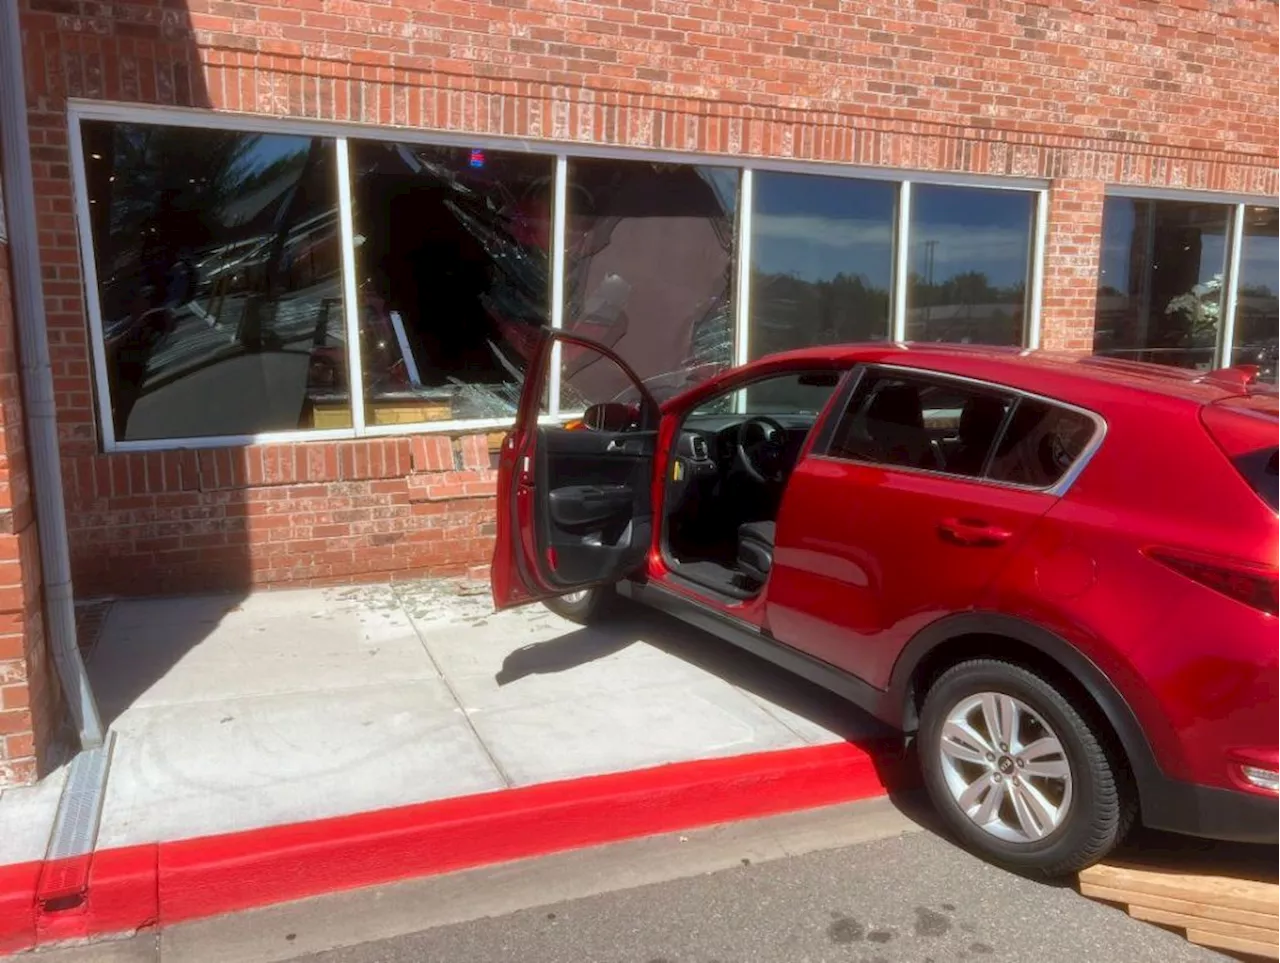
{"points": [[237, 713]]}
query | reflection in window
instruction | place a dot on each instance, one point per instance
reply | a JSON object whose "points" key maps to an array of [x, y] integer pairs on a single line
{"points": [[921, 423], [1257, 320], [648, 273], [970, 251], [821, 261], [452, 269], [1160, 281], [789, 394], [219, 279], [1040, 443]]}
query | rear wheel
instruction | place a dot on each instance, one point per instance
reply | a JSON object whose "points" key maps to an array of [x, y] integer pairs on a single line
{"points": [[1018, 773], [583, 606]]}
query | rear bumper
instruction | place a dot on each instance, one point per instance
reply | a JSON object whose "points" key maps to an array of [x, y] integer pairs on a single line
{"points": [[1211, 813]]}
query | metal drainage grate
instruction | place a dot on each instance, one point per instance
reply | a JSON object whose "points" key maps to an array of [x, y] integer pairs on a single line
{"points": [[65, 875]]}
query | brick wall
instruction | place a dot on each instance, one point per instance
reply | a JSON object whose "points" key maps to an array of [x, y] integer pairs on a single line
{"points": [[231, 518], [1180, 94], [30, 699]]}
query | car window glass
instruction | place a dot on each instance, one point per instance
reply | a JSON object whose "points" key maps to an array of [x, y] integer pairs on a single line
{"points": [[921, 423], [805, 393], [1040, 444]]}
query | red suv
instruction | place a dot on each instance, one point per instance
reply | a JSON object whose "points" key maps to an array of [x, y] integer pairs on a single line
{"points": [[1058, 573]]}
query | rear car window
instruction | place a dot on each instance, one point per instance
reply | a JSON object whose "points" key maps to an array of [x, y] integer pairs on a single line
{"points": [[960, 428], [919, 422], [1040, 445]]}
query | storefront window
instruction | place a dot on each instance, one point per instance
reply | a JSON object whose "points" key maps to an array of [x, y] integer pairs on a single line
{"points": [[1160, 281], [1257, 320], [219, 279], [452, 257], [969, 259], [821, 261], [648, 273]]}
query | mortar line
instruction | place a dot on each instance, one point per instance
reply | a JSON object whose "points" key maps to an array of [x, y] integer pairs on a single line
{"points": [[453, 694]]}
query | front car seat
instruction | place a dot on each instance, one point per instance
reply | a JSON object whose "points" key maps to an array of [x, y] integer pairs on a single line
{"points": [[755, 550]]}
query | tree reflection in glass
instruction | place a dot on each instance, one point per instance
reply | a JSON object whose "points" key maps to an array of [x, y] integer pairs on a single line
{"points": [[219, 279]]}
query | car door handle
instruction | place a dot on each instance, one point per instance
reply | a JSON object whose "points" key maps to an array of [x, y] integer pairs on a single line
{"points": [[619, 447], [973, 532]]}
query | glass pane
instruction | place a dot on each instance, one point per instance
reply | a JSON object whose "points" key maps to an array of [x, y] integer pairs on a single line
{"points": [[970, 252], [1160, 281], [918, 423], [791, 394], [648, 273], [1257, 320], [219, 274], [821, 261], [1041, 443], [452, 255]]}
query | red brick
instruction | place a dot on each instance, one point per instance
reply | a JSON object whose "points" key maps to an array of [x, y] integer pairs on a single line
{"points": [[14, 697], [15, 720]]}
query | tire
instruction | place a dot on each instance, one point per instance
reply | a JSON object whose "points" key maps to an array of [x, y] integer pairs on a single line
{"points": [[1095, 804], [584, 607]]}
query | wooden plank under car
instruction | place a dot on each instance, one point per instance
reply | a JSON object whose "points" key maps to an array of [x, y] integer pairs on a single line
{"points": [[1224, 903]]}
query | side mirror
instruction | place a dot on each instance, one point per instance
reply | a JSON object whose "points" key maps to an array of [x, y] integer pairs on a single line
{"points": [[610, 416]]}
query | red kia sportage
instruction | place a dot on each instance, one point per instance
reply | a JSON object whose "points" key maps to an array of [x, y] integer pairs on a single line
{"points": [[1059, 573]]}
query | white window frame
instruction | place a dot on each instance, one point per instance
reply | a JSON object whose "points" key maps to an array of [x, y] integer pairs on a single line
{"points": [[1224, 349], [557, 152]]}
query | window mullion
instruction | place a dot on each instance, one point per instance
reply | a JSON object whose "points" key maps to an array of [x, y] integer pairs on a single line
{"points": [[1229, 290], [350, 294]]}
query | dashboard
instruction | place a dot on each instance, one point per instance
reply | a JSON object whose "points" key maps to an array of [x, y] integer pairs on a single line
{"points": [[710, 442]]}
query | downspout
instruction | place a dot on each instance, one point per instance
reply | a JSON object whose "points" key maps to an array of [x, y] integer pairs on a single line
{"points": [[37, 384]]}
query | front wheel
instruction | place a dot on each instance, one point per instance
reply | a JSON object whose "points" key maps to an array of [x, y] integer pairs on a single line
{"points": [[1018, 773], [583, 606]]}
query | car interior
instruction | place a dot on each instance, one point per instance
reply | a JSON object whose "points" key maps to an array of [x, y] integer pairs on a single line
{"points": [[733, 457]]}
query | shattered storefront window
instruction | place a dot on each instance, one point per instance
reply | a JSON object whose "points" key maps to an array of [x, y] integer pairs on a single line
{"points": [[452, 256]]}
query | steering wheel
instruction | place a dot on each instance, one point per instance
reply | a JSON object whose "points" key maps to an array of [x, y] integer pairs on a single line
{"points": [[762, 457]]}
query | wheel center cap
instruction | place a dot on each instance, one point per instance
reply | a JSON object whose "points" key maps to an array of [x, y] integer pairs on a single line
{"points": [[1005, 764]]}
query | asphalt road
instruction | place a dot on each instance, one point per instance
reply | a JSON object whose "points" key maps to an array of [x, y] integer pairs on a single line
{"points": [[911, 899]]}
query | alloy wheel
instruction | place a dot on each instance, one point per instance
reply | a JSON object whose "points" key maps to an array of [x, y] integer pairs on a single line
{"points": [[1005, 767]]}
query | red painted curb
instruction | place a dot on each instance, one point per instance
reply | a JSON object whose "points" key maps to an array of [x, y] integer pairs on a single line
{"points": [[139, 886]]}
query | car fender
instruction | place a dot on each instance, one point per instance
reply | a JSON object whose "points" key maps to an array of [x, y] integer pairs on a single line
{"points": [[1119, 715]]}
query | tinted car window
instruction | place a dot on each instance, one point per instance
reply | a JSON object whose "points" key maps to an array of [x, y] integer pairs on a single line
{"points": [[1040, 444], [921, 423]]}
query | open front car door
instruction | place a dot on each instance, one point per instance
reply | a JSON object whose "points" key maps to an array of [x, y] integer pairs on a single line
{"points": [[574, 502]]}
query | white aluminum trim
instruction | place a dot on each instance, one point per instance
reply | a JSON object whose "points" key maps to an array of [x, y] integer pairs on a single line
{"points": [[1227, 335], [1141, 192], [559, 220], [93, 302], [901, 265], [742, 296], [303, 127], [237, 441], [350, 291], [461, 426], [1033, 331]]}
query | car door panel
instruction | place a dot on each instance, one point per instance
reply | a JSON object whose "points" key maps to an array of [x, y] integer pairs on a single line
{"points": [[597, 515], [574, 503], [872, 545], [868, 556]]}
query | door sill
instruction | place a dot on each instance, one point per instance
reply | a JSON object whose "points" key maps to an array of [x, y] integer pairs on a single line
{"points": [[730, 628], [717, 581]]}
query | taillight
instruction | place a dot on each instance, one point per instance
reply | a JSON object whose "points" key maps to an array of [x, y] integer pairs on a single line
{"points": [[1253, 585]]}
